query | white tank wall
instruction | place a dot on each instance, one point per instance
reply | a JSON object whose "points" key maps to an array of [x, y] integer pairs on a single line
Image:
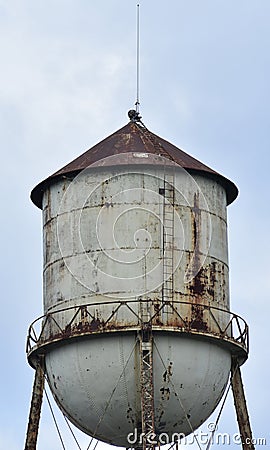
{"points": [[95, 382], [87, 259]]}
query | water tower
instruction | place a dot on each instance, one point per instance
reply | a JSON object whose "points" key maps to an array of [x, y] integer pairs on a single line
{"points": [[137, 338]]}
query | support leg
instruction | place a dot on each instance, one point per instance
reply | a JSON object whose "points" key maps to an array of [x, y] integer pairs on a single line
{"points": [[35, 409], [241, 407]]}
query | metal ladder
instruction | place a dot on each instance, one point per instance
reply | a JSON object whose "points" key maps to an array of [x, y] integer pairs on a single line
{"points": [[168, 193]]}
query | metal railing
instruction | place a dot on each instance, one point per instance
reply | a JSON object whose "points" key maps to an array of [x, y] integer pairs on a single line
{"points": [[102, 317]]}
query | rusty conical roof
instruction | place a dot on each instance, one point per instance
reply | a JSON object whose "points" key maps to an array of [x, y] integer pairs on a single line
{"points": [[129, 139]]}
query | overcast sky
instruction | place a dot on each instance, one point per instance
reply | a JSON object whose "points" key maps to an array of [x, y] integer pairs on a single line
{"points": [[67, 80]]}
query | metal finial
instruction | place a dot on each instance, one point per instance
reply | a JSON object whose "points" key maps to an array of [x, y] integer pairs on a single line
{"points": [[134, 115]]}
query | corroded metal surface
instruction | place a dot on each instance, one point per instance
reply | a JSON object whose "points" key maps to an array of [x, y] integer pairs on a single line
{"points": [[121, 256], [35, 409], [101, 377], [124, 316], [103, 239], [241, 407], [129, 139], [102, 361], [147, 392]]}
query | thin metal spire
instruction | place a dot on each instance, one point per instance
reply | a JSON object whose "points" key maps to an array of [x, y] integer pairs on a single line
{"points": [[137, 103], [134, 114]]}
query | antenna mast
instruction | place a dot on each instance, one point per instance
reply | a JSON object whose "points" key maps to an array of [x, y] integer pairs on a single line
{"points": [[134, 114], [137, 103]]}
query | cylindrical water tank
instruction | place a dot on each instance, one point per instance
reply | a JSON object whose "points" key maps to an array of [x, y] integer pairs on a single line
{"points": [[135, 231]]}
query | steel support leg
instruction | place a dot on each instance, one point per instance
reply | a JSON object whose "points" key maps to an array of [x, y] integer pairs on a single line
{"points": [[35, 409], [241, 407]]}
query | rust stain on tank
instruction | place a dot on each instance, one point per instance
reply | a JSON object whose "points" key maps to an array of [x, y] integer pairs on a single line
{"points": [[130, 416], [157, 312], [199, 283], [165, 393], [196, 321], [168, 373], [212, 281], [196, 233], [196, 260]]}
